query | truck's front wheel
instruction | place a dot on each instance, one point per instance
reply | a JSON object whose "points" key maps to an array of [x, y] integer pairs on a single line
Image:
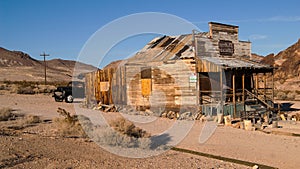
{"points": [[69, 99]]}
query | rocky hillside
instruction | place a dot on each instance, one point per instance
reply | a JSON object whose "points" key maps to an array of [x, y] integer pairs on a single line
{"points": [[287, 62], [16, 58], [287, 74], [19, 66], [257, 58]]}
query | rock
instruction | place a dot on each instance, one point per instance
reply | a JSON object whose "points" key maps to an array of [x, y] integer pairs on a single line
{"points": [[186, 116], [227, 120], [203, 118], [248, 125], [242, 126], [164, 114], [236, 125], [220, 118], [148, 112], [255, 167], [171, 115], [282, 116]]}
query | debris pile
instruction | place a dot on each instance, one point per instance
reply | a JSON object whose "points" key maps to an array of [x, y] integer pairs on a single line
{"points": [[106, 108], [289, 117]]}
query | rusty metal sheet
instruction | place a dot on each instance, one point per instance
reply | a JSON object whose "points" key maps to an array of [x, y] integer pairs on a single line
{"points": [[146, 87]]}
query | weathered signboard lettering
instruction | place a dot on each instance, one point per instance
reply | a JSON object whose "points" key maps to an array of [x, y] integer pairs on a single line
{"points": [[226, 47]]}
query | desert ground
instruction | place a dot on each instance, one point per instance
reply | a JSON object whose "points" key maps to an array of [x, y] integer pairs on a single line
{"points": [[39, 145]]}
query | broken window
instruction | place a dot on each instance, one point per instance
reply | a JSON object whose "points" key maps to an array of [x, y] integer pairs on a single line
{"points": [[146, 73]]}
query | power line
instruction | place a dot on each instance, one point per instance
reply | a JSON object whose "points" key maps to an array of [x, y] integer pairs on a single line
{"points": [[44, 54]]}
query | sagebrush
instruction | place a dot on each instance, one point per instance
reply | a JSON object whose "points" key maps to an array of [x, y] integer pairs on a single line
{"points": [[6, 114], [128, 128], [69, 125]]}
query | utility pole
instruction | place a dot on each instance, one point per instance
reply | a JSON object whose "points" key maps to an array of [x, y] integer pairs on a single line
{"points": [[44, 54]]}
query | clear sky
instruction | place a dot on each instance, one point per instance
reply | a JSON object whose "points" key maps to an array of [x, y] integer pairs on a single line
{"points": [[62, 27]]}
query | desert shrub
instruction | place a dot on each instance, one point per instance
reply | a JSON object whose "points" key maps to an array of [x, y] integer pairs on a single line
{"points": [[122, 133], [281, 95], [128, 128], [32, 119], [67, 129], [13, 88], [113, 138], [30, 87], [2, 87], [69, 126], [25, 90], [110, 137], [282, 80], [291, 96], [144, 143], [6, 114], [44, 88]]}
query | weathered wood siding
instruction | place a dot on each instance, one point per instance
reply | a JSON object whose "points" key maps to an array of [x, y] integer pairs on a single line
{"points": [[106, 86], [222, 37], [206, 66], [90, 88], [170, 84]]}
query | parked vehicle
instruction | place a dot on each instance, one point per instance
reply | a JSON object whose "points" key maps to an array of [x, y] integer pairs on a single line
{"points": [[73, 90]]}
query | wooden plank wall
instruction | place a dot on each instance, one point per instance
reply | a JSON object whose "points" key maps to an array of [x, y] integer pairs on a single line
{"points": [[106, 86], [170, 84], [209, 46], [90, 88]]}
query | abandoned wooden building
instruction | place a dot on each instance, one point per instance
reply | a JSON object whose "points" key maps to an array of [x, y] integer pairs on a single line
{"points": [[208, 71]]}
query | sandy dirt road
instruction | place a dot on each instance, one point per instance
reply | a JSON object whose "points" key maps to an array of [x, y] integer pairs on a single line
{"points": [[39, 149]]}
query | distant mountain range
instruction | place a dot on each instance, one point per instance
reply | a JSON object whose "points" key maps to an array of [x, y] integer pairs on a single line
{"points": [[18, 66]]}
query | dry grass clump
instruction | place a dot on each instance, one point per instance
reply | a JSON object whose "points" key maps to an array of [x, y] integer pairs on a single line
{"points": [[122, 133], [6, 114], [128, 128], [30, 87], [286, 95], [291, 95], [32, 119], [25, 90], [110, 137], [281, 95], [69, 126], [17, 121]]}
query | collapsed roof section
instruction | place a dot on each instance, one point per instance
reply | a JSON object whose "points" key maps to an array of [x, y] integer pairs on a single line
{"points": [[165, 48], [219, 47]]}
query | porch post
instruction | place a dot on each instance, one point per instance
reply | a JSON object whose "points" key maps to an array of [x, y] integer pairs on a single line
{"points": [[265, 85], [256, 83], [243, 85], [273, 86], [233, 98], [221, 89]]}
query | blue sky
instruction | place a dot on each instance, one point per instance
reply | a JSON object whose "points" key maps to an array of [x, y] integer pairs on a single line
{"points": [[62, 27]]}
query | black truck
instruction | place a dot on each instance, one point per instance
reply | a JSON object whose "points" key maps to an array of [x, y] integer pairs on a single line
{"points": [[73, 90]]}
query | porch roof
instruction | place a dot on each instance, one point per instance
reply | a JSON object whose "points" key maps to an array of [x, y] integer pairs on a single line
{"points": [[236, 63]]}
